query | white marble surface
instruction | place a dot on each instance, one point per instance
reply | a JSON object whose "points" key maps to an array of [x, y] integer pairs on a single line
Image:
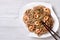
{"points": [[10, 28]]}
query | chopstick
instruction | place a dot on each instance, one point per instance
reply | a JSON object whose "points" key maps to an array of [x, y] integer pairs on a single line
{"points": [[50, 31], [53, 31]]}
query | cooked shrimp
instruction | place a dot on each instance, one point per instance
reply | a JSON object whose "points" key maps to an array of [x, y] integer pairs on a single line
{"points": [[47, 10], [36, 23], [37, 31], [31, 28], [26, 18], [36, 15], [45, 18]]}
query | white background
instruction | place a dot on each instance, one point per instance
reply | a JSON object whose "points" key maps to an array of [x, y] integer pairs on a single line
{"points": [[10, 28]]}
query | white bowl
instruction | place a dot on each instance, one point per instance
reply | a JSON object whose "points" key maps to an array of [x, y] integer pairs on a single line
{"points": [[33, 4]]}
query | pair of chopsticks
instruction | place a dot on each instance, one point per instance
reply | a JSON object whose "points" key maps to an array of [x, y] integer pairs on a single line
{"points": [[50, 31]]}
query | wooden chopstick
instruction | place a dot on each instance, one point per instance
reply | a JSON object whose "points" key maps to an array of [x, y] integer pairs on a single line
{"points": [[53, 31], [49, 30]]}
